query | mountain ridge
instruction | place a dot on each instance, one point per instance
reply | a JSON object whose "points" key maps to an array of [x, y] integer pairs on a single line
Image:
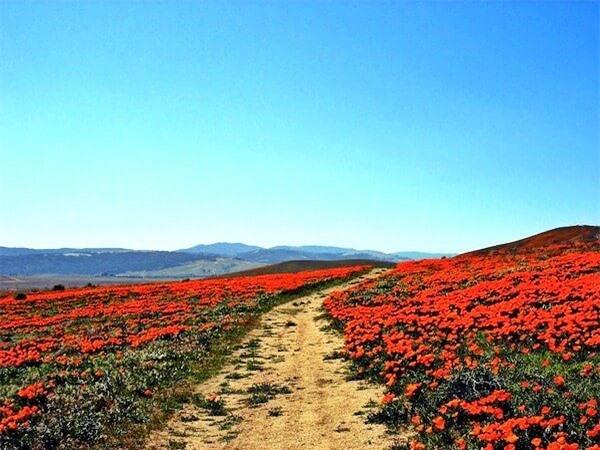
{"points": [[221, 248], [281, 253]]}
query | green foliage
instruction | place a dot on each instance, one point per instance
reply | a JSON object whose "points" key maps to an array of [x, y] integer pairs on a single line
{"points": [[263, 392]]}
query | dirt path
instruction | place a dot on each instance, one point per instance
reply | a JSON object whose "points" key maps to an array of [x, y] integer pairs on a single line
{"points": [[284, 388]]}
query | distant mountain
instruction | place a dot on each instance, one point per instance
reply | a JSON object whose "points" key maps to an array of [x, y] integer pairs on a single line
{"points": [[563, 235], [14, 251], [422, 255], [342, 252], [281, 253], [317, 249], [201, 260], [79, 262], [222, 248], [197, 269], [270, 256]]}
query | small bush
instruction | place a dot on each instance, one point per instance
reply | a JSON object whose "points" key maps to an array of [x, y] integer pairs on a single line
{"points": [[214, 404], [275, 412], [263, 392]]}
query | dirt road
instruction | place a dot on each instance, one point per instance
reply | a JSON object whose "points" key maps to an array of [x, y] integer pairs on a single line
{"points": [[285, 387]]}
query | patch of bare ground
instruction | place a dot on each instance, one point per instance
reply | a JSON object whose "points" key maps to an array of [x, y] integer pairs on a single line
{"points": [[283, 388]]}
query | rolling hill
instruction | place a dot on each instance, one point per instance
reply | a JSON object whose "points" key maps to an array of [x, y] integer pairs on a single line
{"points": [[300, 266], [276, 255], [16, 251], [222, 248], [563, 235], [197, 269], [282, 253], [79, 262]]}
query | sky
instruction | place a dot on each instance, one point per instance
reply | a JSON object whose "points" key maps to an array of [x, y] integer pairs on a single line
{"points": [[432, 126]]}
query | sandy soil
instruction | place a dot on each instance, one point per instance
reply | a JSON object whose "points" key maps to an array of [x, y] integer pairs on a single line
{"points": [[308, 401]]}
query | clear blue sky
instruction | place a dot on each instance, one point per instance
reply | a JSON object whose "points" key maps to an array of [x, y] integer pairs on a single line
{"points": [[392, 126]]}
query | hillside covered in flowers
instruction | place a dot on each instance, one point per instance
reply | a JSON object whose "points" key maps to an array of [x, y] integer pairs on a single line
{"points": [[490, 350], [80, 367]]}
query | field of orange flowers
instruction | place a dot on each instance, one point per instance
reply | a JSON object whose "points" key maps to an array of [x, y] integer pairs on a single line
{"points": [[483, 352], [79, 366]]}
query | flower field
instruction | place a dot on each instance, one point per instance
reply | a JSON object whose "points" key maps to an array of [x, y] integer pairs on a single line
{"points": [[483, 352], [79, 366]]}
